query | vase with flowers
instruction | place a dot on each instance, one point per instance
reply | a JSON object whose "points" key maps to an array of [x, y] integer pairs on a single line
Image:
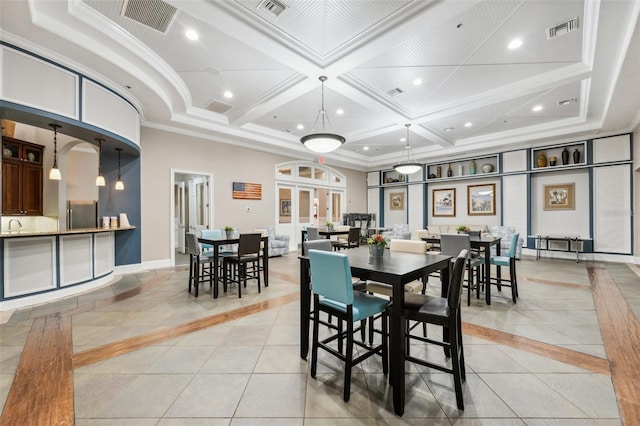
{"points": [[463, 229], [329, 226], [229, 232], [377, 243]]}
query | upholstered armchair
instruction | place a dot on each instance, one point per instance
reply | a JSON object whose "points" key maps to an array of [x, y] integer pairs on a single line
{"points": [[278, 244], [398, 232], [506, 233]]}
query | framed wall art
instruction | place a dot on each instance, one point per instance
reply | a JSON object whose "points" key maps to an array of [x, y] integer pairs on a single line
{"points": [[481, 200], [396, 201], [285, 207], [443, 202], [559, 197]]}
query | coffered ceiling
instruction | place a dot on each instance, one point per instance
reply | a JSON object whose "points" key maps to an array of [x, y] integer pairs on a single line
{"points": [[436, 64]]}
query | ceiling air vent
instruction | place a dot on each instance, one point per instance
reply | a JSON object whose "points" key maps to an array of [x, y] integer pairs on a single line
{"points": [[154, 14], [273, 7], [219, 107], [395, 92], [567, 101], [562, 28]]}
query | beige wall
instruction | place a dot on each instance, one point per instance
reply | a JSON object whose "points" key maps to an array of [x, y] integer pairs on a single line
{"points": [[163, 151]]}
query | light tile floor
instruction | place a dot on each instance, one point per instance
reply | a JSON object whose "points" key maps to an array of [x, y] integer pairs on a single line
{"points": [[248, 371]]}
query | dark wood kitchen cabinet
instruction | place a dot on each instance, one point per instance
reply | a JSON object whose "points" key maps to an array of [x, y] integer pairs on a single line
{"points": [[21, 177]]}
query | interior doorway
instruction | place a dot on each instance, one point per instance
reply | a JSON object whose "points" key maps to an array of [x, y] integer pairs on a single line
{"points": [[192, 211]]}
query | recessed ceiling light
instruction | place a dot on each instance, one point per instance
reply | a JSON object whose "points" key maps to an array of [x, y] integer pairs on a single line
{"points": [[448, 129], [366, 148], [515, 43], [417, 82], [191, 35], [228, 94], [300, 126], [468, 124], [339, 111], [537, 108], [403, 139]]}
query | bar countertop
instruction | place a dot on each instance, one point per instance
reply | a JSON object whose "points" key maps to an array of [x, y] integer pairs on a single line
{"points": [[18, 234]]}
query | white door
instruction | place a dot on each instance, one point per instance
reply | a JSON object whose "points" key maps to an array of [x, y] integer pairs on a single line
{"points": [[180, 217], [286, 212], [307, 211], [198, 204]]}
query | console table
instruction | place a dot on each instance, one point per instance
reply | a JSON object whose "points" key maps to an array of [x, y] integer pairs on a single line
{"points": [[560, 243]]}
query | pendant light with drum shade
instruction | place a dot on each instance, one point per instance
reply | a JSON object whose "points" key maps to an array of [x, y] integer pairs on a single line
{"points": [[119, 183], [409, 166], [322, 142], [100, 179], [54, 173]]}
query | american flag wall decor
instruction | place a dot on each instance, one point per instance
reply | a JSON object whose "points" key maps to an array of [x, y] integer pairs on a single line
{"points": [[247, 191]]}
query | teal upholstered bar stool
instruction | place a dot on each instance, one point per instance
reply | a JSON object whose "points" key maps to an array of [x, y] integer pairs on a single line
{"points": [[507, 261], [333, 294]]}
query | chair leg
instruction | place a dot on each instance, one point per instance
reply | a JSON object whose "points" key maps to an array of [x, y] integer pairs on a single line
{"points": [[348, 361], [197, 276], [514, 284], [457, 372], [190, 272], [340, 331], [385, 344], [314, 342]]}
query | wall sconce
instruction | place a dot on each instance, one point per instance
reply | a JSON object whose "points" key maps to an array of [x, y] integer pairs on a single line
{"points": [[119, 183], [100, 179], [54, 173]]}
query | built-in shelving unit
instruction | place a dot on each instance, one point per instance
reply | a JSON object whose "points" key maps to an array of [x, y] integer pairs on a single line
{"points": [[553, 156], [391, 176], [464, 168]]}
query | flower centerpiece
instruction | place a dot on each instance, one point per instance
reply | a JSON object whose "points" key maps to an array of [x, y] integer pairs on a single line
{"points": [[377, 243], [329, 226], [463, 229], [229, 231]]}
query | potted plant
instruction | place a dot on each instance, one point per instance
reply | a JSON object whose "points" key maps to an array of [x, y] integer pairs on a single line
{"points": [[229, 231], [463, 229], [329, 226], [377, 243]]}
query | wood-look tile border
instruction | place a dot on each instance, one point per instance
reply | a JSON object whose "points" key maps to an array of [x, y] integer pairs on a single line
{"points": [[42, 388], [110, 350], [568, 356], [557, 283], [621, 335]]}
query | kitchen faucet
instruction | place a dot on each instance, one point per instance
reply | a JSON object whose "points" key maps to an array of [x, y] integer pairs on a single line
{"points": [[19, 224]]}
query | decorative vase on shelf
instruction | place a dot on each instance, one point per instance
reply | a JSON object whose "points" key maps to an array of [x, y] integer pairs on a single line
{"points": [[542, 160], [576, 156], [487, 168], [552, 161], [472, 168], [565, 157], [438, 172], [449, 171], [460, 170], [376, 250]]}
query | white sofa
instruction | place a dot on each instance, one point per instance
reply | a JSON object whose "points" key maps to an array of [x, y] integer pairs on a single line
{"points": [[436, 230]]}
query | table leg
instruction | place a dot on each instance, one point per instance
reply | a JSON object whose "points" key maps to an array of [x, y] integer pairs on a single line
{"points": [[487, 275], [397, 337], [265, 262], [216, 252], [305, 307]]}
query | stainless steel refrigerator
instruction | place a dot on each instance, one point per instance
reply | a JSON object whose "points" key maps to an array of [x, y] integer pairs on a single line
{"points": [[82, 214]]}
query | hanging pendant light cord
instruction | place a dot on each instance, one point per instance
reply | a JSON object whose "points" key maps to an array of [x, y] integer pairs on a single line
{"points": [[55, 147]]}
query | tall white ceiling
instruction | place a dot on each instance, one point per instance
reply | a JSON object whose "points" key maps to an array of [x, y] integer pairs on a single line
{"points": [[367, 48]]}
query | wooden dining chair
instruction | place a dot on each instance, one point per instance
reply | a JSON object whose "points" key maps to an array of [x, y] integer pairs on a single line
{"points": [[200, 265], [507, 261], [333, 293], [352, 241], [244, 265], [451, 245], [445, 312]]}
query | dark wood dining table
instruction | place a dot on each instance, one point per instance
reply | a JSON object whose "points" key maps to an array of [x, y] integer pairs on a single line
{"points": [[483, 243], [216, 258], [393, 268]]}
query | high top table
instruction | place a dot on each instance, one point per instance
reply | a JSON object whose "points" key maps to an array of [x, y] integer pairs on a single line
{"points": [[397, 269], [484, 243], [216, 258]]}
